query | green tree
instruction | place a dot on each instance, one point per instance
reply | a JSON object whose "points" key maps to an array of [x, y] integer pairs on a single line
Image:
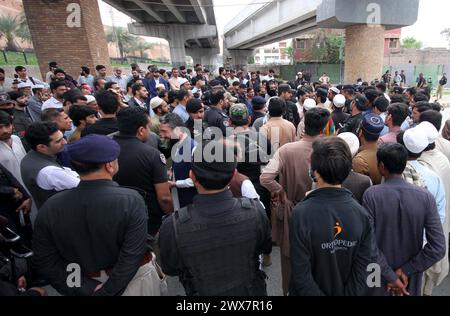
{"points": [[326, 47], [121, 37], [9, 26], [24, 32], [411, 42], [139, 45], [289, 51]]}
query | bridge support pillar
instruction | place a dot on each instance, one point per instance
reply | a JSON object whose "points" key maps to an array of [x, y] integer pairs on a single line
{"points": [[76, 20], [204, 56], [238, 58], [364, 52], [177, 50]]}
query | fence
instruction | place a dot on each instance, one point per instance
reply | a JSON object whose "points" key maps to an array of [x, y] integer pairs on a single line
{"points": [[335, 71], [17, 58]]}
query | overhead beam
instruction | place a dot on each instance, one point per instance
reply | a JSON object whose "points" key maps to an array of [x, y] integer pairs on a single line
{"points": [[118, 7], [198, 42], [173, 9], [149, 10], [199, 10]]}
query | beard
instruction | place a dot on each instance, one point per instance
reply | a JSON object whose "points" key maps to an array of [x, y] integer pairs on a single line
{"points": [[5, 137], [272, 93]]}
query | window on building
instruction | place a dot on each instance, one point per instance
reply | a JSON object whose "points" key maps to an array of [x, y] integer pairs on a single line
{"points": [[301, 44], [393, 43]]}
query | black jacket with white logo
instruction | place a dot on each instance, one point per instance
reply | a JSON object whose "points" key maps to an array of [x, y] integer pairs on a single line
{"points": [[330, 239]]}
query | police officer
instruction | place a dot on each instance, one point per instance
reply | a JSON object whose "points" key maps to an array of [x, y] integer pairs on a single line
{"points": [[215, 116], [214, 244], [99, 227]]}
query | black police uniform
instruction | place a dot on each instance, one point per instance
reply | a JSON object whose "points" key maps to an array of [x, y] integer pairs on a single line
{"points": [[215, 249], [98, 226], [215, 117], [141, 167]]}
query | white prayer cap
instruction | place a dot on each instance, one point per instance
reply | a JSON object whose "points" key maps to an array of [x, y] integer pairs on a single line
{"points": [[90, 98], [156, 102], [183, 81], [335, 90], [352, 142], [429, 130], [339, 101], [24, 85], [309, 104], [415, 140], [160, 86], [38, 86]]}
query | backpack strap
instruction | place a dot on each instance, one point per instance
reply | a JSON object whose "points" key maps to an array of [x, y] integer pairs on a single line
{"points": [[32, 80]]}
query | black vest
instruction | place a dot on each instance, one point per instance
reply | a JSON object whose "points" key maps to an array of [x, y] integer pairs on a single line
{"points": [[30, 167], [219, 256]]}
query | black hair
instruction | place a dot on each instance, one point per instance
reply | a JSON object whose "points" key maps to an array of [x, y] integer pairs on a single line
{"points": [[99, 67], [109, 85], [381, 103], [19, 68], [370, 137], [56, 84], [59, 71], [422, 106], [432, 117], [436, 107], [136, 87], [2, 70], [107, 102], [398, 99], [83, 168], [282, 88], [236, 84], [86, 70], [130, 84], [399, 113], [277, 107], [51, 114], [382, 86], [40, 134], [172, 96], [332, 159], [5, 118], [315, 121], [77, 113], [217, 96], [420, 97], [412, 91], [182, 94], [173, 120], [394, 156], [371, 95], [130, 120], [218, 178], [401, 142]]}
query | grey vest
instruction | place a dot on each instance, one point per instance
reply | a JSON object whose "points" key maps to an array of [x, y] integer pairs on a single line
{"points": [[30, 167], [218, 255]]}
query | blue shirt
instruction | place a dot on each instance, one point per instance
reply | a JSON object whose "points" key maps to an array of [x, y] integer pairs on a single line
{"points": [[433, 184], [181, 112]]}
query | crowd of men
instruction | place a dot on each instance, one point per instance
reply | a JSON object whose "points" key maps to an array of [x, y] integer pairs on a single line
{"points": [[182, 173]]}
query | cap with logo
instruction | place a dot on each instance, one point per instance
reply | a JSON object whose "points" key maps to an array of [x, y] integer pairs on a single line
{"points": [[372, 124]]}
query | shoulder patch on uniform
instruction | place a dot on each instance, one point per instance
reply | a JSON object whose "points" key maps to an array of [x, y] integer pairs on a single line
{"points": [[163, 159], [226, 123]]}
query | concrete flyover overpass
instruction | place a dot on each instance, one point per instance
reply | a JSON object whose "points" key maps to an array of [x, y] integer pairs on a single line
{"points": [[188, 25], [365, 22], [71, 31]]}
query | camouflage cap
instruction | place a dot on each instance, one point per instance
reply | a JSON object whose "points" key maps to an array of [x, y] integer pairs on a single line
{"points": [[239, 113]]}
